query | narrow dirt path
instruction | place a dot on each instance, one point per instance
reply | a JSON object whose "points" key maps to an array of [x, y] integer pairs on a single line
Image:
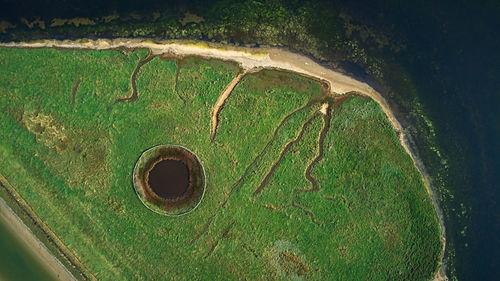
{"points": [[287, 147], [133, 79], [224, 234], [307, 212], [321, 149], [326, 114], [203, 230], [74, 90], [262, 152], [325, 110], [220, 103]]}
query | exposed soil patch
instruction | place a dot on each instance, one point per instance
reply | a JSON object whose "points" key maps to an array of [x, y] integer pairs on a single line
{"points": [[292, 263], [220, 103], [75, 89], [134, 95], [283, 152], [169, 180]]}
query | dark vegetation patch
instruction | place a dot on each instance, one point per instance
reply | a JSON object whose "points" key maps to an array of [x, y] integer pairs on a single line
{"points": [[134, 95], [267, 79], [75, 89]]}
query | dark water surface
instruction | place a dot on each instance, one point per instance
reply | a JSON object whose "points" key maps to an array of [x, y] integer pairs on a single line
{"points": [[454, 58], [169, 178]]}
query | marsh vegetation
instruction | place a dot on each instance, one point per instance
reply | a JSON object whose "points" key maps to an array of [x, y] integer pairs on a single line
{"points": [[292, 190]]}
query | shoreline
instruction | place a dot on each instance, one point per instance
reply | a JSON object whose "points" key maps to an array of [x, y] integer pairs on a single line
{"points": [[57, 257], [254, 59], [33, 245]]}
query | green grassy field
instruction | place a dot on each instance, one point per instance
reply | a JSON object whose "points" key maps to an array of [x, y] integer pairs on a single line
{"points": [[68, 144]]}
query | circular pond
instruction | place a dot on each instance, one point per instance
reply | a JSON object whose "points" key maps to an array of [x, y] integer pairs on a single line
{"points": [[169, 180]]}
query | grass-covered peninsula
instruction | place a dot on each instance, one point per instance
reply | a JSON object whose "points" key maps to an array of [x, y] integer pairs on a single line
{"points": [[300, 184]]}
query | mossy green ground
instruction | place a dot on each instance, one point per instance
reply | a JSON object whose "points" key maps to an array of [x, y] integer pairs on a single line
{"points": [[71, 157]]}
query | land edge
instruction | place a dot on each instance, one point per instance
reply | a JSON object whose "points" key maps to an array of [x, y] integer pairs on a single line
{"points": [[52, 262], [31, 242], [251, 59]]}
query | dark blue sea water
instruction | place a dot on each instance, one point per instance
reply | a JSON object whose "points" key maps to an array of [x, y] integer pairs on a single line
{"points": [[454, 58]]}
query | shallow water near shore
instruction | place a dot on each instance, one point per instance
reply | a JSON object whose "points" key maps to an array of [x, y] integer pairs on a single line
{"points": [[17, 262], [454, 64]]}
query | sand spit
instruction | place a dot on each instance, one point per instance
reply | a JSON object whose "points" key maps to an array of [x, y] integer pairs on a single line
{"points": [[254, 59]]}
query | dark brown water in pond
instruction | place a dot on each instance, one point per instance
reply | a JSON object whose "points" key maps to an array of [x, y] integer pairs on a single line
{"points": [[169, 178]]}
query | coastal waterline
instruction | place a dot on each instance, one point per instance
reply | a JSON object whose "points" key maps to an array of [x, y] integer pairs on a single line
{"points": [[454, 64], [16, 261]]}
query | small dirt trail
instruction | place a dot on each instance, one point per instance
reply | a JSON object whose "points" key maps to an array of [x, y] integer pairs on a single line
{"points": [[178, 66], [287, 147], [133, 79], [326, 114], [263, 151], [321, 141], [220, 103], [307, 212], [224, 234], [74, 90], [204, 229]]}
